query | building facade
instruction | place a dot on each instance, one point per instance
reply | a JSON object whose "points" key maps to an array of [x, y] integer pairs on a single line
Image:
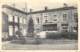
{"points": [[12, 20], [64, 19]]}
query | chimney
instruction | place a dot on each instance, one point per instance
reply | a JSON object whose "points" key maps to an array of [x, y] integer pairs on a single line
{"points": [[46, 8], [65, 5]]}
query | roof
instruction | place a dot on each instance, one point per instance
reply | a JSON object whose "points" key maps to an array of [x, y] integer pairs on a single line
{"points": [[41, 11], [12, 8], [51, 10]]}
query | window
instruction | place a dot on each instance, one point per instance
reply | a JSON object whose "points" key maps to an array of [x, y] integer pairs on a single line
{"points": [[16, 28], [21, 21], [45, 16], [55, 15], [76, 17], [24, 21], [55, 19], [50, 27], [64, 16], [10, 30], [65, 27], [15, 19], [10, 18], [46, 21], [76, 28], [65, 30], [38, 20]]}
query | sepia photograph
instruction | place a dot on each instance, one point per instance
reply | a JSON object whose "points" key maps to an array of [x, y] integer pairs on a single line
{"points": [[39, 25]]}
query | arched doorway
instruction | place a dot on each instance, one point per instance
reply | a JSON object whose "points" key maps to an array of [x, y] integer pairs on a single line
{"points": [[30, 28]]}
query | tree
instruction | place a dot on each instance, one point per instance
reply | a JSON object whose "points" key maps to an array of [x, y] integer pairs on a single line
{"points": [[31, 28]]}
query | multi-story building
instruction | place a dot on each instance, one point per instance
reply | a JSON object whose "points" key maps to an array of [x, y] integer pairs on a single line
{"points": [[58, 20], [64, 19], [13, 19]]}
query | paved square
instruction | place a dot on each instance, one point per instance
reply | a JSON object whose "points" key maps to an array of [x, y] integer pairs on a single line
{"points": [[46, 45]]}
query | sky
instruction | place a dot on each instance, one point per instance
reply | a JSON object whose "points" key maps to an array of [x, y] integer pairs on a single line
{"points": [[40, 4]]}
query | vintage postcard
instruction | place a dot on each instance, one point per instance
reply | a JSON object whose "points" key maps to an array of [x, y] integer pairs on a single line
{"points": [[39, 25]]}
